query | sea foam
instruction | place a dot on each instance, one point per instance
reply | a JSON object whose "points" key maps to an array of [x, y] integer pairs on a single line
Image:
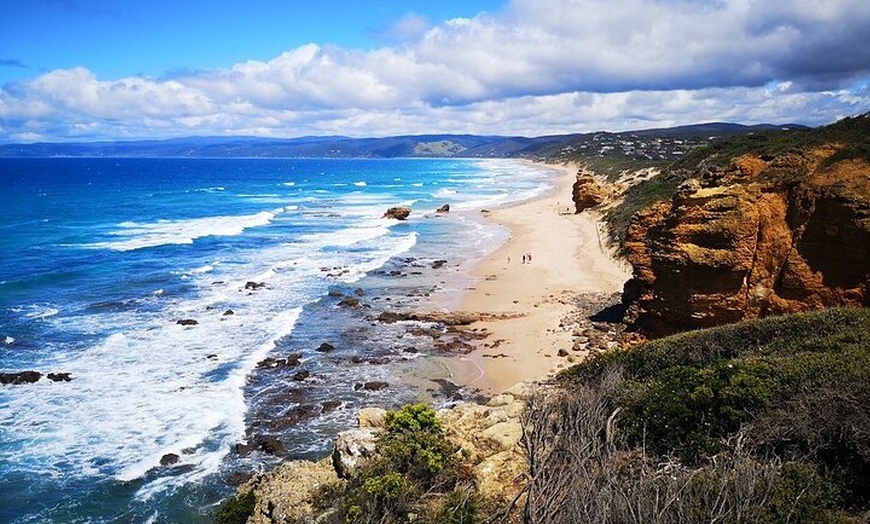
{"points": [[134, 235]]}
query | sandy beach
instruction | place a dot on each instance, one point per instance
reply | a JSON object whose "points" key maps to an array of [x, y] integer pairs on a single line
{"points": [[567, 258]]}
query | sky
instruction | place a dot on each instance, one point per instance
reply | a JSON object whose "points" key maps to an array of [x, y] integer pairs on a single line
{"points": [[86, 70]]}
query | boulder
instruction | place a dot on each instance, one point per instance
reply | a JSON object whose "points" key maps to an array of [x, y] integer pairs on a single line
{"points": [[169, 459], [285, 494], [59, 377], [371, 417], [20, 377], [350, 302], [443, 209], [326, 347], [351, 448], [299, 376], [398, 213], [373, 385], [269, 445], [187, 322]]}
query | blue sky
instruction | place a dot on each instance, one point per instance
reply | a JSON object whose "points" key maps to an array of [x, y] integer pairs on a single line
{"points": [[100, 69]]}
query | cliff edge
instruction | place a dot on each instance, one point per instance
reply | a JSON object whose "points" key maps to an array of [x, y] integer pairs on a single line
{"points": [[759, 234]]}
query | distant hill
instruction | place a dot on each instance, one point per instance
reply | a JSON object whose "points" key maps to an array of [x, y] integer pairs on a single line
{"points": [[471, 146]]}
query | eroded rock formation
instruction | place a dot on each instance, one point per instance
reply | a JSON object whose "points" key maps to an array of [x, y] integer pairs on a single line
{"points": [[587, 192], [489, 435], [757, 237], [398, 213]]}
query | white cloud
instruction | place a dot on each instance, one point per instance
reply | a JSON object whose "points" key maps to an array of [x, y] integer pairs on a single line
{"points": [[535, 67]]}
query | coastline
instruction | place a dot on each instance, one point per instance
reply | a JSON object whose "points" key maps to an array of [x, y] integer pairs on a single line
{"points": [[568, 258]]}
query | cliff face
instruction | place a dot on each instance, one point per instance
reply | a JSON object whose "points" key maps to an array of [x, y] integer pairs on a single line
{"points": [[756, 237]]}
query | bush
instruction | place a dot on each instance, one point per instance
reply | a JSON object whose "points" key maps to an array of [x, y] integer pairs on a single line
{"points": [[237, 509], [796, 387], [413, 459]]}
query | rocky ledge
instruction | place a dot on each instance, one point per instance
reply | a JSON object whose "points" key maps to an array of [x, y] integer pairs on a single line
{"points": [[488, 433]]}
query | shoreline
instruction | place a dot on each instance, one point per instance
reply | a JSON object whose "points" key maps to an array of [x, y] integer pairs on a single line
{"points": [[568, 258]]}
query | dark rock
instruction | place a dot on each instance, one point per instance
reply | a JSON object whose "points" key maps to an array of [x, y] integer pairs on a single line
{"points": [[21, 377], [349, 302], [398, 213], [242, 449], [443, 209], [269, 445], [563, 353], [254, 285], [59, 377], [187, 322], [359, 292], [238, 478], [301, 375], [329, 406], [334, 293], [229, 312], [291, 361], [438, 264], [293, 417], [374, 385], [326, 347], [169, 459]]}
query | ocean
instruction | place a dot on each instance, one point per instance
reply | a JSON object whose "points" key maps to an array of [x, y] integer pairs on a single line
{"points": [[200, 306]]}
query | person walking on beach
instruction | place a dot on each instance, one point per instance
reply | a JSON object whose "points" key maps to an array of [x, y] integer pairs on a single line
{"points": [[524, 258]]}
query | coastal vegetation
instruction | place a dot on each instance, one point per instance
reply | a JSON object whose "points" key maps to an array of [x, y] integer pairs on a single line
{"points": [[764, 420], [759, 421], [416, 472]]}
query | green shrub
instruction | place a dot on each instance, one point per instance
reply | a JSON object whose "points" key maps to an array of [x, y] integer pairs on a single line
{"points": [[237, 509], [799, 494], [413, 457], [461, 506], [411, 418]]}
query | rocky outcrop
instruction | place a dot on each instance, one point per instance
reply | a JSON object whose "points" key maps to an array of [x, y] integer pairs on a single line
{"points": [[285, 494], [587, 192], [398, 213], [489, 435], [20, 377], [29, 377], [443, 209], [756, 237]]}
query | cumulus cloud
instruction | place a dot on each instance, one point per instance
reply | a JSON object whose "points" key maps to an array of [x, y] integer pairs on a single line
{"points": [[535, 67]]}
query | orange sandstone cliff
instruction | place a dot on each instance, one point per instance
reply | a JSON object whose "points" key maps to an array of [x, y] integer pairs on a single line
{"points": [[758, 236]]}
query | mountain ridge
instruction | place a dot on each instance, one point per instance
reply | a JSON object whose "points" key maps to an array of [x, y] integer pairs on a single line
{"points": [[414, 146]]}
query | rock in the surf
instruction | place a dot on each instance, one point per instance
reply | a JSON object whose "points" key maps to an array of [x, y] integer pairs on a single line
{"points": [[398, 212], [21, 377]]}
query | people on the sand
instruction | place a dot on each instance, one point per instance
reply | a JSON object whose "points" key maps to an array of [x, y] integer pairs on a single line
{"points": [[524, 258]]}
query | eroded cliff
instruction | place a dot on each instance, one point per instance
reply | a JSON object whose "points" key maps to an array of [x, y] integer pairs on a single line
{"points": [[758, 235]]}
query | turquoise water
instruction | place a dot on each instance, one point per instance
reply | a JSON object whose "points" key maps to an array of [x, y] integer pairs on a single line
{"points": [[102, 257]]}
